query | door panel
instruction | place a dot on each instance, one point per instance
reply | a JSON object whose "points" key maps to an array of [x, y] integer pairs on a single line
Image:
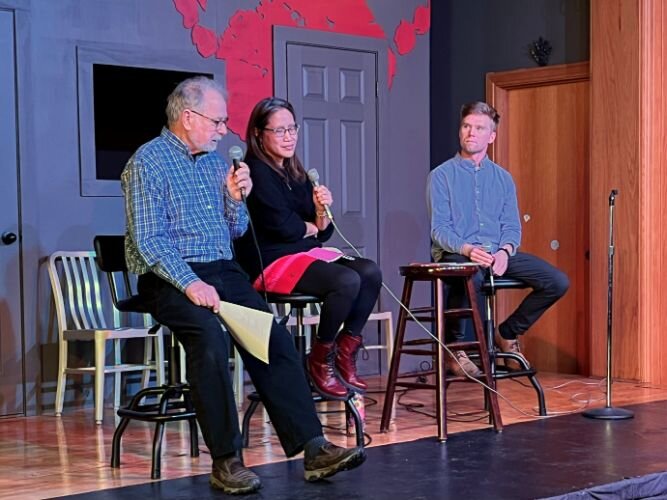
{"points": [[543, 139], [333, 92], [11, 360]]}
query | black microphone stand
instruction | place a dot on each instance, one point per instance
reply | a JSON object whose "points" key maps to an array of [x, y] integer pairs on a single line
{"points": [[609, 412]]}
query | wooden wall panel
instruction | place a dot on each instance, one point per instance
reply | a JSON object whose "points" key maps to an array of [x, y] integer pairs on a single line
{"points": [[628, 112], [653, 175], [614, 164]]}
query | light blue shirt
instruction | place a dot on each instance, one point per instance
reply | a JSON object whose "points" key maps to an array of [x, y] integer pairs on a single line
{"points": [[470, 204], [178, 210]]}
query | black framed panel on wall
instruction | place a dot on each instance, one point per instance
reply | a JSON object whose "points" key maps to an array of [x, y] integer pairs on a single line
{"points": [[122, 97]]}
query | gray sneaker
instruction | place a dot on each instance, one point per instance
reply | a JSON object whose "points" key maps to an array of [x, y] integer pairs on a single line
{"points": [[232, 477], [332, 459]]}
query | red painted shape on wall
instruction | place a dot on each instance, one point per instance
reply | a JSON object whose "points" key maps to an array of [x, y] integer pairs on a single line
{"points": [[247, 47], [404, 37], [422, 19], [189, 10], [391, 67], [205, 40]]}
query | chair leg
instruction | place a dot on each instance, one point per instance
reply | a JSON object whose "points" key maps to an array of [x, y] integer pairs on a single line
{"points": [[388, 407], [116, 375], [100, 355], [540, 395], [115, 444], [182, 363], [491, 398], [358, 424], [159, 358], [238, 378], [194, 437], [245, 431], [192, 422], [62, 378], [389, 338], [157, 450], [148, 356]]}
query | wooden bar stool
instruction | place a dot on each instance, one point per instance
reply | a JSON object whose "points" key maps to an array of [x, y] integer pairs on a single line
{"points": [[437, 274]]}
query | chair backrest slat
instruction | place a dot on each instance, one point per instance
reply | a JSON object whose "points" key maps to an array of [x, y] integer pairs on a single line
{"points": [[76, 289]]}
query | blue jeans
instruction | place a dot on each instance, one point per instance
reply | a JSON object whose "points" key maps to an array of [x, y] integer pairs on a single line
{"points": [[548, 283]]}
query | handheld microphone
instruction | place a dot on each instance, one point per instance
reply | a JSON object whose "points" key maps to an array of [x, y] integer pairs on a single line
{"points": [[315, 181], [236, 154]]}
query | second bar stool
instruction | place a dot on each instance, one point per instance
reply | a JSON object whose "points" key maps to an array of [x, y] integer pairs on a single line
{"points": [[437, 274]]}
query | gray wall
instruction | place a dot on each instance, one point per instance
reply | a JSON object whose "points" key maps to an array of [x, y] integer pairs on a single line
{"points": [[54, 214], [474, 37]]}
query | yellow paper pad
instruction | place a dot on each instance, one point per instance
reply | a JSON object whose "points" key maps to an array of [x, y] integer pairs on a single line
{"points": [[249, 327]]}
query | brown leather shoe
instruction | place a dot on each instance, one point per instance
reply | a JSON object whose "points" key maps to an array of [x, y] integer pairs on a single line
{"points": [[232, 477], [461, 365], [511, 346], [332, 459]]}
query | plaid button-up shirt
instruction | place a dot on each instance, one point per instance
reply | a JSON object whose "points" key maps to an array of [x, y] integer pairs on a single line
{"points": [[178, 210]]}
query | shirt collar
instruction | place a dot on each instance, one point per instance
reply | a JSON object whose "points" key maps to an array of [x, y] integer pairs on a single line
{"points": [[173, 140], [470, 164]]}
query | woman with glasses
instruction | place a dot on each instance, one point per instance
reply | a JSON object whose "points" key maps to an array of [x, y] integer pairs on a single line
{"points": [[291, 224]]}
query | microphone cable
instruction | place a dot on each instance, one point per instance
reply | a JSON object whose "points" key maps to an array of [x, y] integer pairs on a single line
{"points": [[236, 154], [255, 241], [444, 346]]}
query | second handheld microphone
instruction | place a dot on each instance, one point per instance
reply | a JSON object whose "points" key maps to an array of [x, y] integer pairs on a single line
{"points": [[315, 180]]}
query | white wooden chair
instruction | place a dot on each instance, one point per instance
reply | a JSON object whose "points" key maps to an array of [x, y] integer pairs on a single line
{"points": [[81, 317]]}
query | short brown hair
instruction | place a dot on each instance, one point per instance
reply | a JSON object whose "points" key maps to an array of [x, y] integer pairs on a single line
{"points": [[480, 108]]}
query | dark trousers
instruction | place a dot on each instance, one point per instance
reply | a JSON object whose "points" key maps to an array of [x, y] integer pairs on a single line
{"points": [[281, 384], [348, 289], [548, 283]]}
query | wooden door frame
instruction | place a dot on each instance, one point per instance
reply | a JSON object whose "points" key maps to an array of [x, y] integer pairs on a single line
{"points": [[498, 86]]}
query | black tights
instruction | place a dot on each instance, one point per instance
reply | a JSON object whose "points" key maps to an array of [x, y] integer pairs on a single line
{"points": [[348, 290]]}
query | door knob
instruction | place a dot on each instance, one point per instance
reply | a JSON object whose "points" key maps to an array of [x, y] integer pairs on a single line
{"points": [[8, 238]]}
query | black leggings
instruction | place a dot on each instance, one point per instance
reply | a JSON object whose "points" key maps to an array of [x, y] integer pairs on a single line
{"points": [[348, 289]]}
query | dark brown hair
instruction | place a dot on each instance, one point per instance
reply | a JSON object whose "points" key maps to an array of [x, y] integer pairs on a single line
{"points": [[480, 108], [259, 119]]}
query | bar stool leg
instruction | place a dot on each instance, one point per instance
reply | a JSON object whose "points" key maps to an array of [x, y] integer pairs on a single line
{"points": [[396, 357], [441, 376], [490, 396]]}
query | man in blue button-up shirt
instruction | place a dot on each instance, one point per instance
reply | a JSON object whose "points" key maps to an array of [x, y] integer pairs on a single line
{"points": [[184, 206], [474, 217]]}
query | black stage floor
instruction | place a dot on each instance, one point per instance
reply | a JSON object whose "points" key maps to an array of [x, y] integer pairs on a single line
{"points": [[566, 457]]}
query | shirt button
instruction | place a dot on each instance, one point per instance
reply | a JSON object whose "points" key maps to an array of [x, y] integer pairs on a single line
{"points": [[481, 224], [209, 207]]}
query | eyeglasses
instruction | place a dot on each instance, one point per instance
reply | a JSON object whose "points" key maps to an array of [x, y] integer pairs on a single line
{"points": [[281, 131], [216, 123]]}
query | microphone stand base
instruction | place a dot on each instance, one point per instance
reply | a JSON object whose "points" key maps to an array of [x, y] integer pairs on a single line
{"points": [[608, 413]]}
